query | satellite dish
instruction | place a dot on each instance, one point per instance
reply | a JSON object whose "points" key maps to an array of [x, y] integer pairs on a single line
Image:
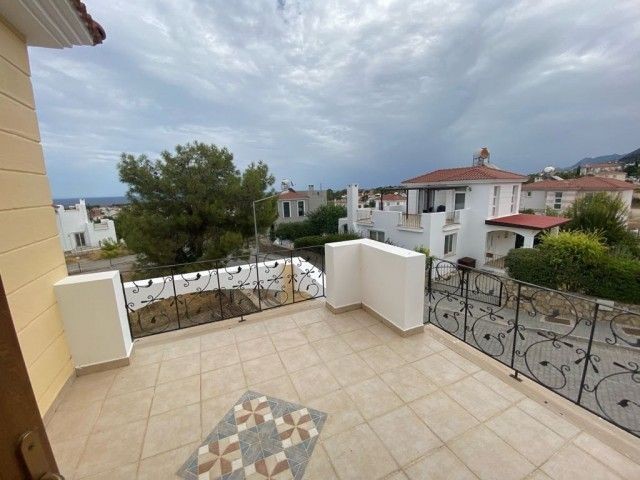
{"points": [[549, 169], [286, 184]]}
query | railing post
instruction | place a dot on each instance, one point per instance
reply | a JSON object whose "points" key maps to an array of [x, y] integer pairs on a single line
{"points": [[515, 330], [587, 357], [126, 305], [258, 284], [324, 277], [175, 295], [219, 290], [293, 282], [465, 285]]}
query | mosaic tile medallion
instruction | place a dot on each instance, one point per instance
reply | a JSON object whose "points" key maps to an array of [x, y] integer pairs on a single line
{"points": [[259, 438]]}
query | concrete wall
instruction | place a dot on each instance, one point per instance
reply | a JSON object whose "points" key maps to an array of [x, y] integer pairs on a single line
{"points": [[31, 259], [536, 200]]}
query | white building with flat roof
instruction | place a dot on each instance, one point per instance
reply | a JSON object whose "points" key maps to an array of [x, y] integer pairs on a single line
{"points": [[77, 232]]}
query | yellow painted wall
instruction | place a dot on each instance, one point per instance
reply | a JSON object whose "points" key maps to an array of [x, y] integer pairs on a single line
{"points": [[31, 259]]}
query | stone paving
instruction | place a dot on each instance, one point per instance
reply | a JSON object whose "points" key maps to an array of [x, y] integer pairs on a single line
{"points": [[419, 407]]}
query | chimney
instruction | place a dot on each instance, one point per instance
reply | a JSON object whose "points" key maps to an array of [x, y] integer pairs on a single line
{"points": [[311, 188], [481, 157], [352, 206]]}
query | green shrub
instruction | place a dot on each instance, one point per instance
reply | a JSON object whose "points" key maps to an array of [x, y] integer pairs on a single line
{"points": [[422, 249], [313, 240], [291, 231], [530, 265], [614, 278]]}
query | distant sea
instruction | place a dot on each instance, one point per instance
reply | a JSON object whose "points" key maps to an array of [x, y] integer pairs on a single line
{"points": [[93, 201]]}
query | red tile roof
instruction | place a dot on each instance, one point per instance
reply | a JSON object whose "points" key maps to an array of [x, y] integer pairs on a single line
{"points": [[525, 220], [594, 184], [393, 196], [94, 28], [292, 195], [462, 174]]}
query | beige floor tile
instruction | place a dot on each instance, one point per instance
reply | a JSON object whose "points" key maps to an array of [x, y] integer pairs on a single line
{"points": [[112, 448], [358, 454], [280, 387], [222, 380], [499, 386], [249, 332], [622, 465], [87, 389], [460, 361], [439, 370], [317, 331], [410, 348], [528, 436], [180, 348], [181, 367], [381, 358], [142, 356], [314, 382], [490, 458], [552, 420], [219, 357], [571, 462], [539, 475], [171, 430], [432, 342], [342, 413], [214, 408], [439, 465], [280, 324], [297, 358], [408, 383], [373, 397], [361, 339], [176, 394], [165, 465], [404, 435], [331, 348], [126, 472], [77, 422], [443, 416], [219, 338], [255, 348], [263, 368], [125, 408], [130, 378], [384, 333], [319, 467], [363, 318], [350, 370], [308, 317], [343, 323], [480, 401], [67, 453], [288, 339]]}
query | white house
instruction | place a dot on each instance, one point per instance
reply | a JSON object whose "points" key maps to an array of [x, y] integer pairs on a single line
{"points": [[294, 206], [391, 201], [456, 212], [559, 195], [606, 170], [78, 232]]}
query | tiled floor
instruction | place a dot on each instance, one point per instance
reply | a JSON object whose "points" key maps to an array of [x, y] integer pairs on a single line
{"points": [[398, 408]]}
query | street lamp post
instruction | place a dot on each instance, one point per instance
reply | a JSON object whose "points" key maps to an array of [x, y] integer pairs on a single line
{"points": [[284, 186]]}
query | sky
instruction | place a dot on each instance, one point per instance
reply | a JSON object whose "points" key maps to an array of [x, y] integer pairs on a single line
{"points": [[333, 92]]}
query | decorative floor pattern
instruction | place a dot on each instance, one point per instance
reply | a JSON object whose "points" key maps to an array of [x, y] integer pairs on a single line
{"points": [[259, 438]]}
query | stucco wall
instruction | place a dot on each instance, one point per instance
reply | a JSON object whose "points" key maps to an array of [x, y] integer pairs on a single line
{"points": [[31, 259]]}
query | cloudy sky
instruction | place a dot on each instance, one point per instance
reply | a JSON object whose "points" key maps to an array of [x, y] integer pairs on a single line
{"points": [[329, 92]]}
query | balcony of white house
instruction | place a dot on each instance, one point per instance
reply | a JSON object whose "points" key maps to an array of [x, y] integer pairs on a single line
{"points": [[417, 222], [349, 386]]}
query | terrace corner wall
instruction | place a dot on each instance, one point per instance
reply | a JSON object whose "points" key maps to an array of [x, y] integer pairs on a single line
{"points": [[31, 259]]}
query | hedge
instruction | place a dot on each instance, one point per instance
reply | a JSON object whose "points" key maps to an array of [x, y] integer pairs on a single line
{"points": [[313, 240], [291, 231], [530, 265]]}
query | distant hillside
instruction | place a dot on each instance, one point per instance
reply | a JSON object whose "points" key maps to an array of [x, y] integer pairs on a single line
{"points": [[631, 157], [614, 157]]}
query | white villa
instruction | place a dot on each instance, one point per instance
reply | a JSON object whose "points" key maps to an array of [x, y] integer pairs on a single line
{"points": [[457, 212], [77, 232]]}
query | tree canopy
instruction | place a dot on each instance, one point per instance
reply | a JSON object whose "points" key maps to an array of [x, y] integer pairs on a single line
{"points": [[192, 204]]}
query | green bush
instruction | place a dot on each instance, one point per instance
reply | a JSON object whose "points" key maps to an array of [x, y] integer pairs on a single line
{"points": [[530, 265], [291, 231], [614, 278], [313, 240]]}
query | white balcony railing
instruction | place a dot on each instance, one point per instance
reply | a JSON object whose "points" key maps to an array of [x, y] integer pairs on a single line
{"points": [[363, 216], [452, 217], [410, 220]]}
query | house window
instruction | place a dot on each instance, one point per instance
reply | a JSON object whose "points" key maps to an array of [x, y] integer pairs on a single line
{"points": [[494, 203], [557, 201], [80, 241], [376, 235], [458, 202], [450, 244], [301, 208], [514, 197], [528, 194], [286, 209]]}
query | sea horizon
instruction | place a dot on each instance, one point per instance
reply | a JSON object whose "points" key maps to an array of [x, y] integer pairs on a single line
{"points": [[105, 201]]}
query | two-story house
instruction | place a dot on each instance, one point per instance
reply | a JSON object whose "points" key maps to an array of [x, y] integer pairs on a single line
{"points": [[455, 212], [294, 206], [77, 231]]}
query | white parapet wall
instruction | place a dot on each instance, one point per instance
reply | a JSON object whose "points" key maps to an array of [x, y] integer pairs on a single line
{"points": [[384, 279], [95, 320]]}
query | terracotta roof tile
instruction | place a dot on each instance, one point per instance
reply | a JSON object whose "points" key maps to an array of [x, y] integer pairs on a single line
{"points": [[393, 196], [292, 195], [94, 28], [594, 184], [525, 220], [461, 174]]}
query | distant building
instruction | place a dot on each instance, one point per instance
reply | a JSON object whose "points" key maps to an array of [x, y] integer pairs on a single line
{"points": [[391, 201], [605, 170], [559, 195], [294, 206], [78, 232]]}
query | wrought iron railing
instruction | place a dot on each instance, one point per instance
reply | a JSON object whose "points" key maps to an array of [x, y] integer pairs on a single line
{"points": [[165, 298], [583, 350], [410, 220]]}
